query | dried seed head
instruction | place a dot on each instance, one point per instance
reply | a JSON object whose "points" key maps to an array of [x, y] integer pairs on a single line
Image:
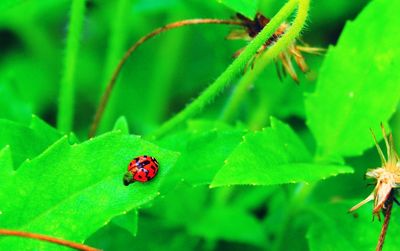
{"points": [[293, 52], [387, 176]]}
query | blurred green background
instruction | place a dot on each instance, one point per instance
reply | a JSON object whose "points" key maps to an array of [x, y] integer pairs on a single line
{"points": [[159, 79]]}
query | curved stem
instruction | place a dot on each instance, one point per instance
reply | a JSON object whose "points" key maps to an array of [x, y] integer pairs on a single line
{"points": [[272, 52], [111, 83], [65, 243], [66, 99], [230, 73]]}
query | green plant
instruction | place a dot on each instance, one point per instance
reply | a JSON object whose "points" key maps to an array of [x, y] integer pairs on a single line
{"points": [[252, 163]]}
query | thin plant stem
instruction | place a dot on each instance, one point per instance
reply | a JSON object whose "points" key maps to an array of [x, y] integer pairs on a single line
{"points": [[51, 239], [117, 38], [295, 204], [249, 78], [116, 47], [208, 95], [66, 97], [385, 225], [160, 85], [111, 83]]}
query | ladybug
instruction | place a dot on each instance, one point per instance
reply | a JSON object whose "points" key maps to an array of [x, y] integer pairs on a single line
{"points": [[142, 169]]}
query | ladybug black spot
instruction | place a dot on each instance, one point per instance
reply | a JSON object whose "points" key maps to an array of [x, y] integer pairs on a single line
{"points": [[142, 168]]}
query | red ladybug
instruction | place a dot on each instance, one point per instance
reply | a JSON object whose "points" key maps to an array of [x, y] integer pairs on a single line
{"points": [[142, 169]]}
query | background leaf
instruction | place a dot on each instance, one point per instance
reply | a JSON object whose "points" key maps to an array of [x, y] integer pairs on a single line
{"points": [[6, 162], [357, 87], [128, 221], [26, 142], [12, 106], [247, 8], [273, 156], [204, 146], [335, 229], [251, 231]]}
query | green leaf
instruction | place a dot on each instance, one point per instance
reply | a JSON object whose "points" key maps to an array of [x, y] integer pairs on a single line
{"points": [[44, 130], [122, 125], [221, 219], [358, 83], [274, 155], [247, 8], [204, 147], [11, 105], [26, 142], [7, 4], [128, 221], [70, 191], [335, 229], [205, 154], [6, 164]]}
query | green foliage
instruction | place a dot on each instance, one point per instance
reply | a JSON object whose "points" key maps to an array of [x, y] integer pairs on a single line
{"points": [[66, 114], [356, 87], [251, 230], [347, 232], [11, 106], [247, 8], [128, 221], [230, 178], [121, 125], [273, 156], [6, 4], [204, 147], [44, 194], [26, 142]]}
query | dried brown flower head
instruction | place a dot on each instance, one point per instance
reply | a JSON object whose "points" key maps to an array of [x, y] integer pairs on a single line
{"points": [[387, 176], [294, 51]]}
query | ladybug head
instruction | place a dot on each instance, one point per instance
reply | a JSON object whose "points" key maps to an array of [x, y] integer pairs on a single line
{"points": [[128, 178]]}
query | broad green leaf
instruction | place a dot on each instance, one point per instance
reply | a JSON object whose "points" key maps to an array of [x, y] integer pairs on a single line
{"points": [[274, 155], [358, 85], [164, 222], [70, 191], [128, 221], [180, 207], [6, 164], [229, 224], [335, 229], [29, 76], [152, 236], [204, 147], [252, 197], [47, 133], [194, 209], [26, 142], [205, 154], [247, 8]]}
